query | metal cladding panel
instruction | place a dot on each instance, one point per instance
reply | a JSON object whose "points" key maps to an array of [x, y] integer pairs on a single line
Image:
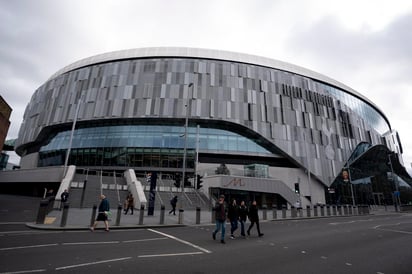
{"points": [[183, 52], [276, 101]]}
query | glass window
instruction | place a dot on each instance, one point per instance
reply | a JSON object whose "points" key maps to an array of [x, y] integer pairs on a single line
{"points": [[131, 140]]}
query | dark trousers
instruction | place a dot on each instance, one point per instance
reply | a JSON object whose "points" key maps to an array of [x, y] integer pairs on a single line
{"points": [[242, 227], [173, 210], [127, 209], [233, 226], [257, 226]]}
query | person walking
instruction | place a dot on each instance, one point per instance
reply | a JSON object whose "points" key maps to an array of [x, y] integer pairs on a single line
{"points": [[233, 216], [64, 197], [104, 209], [130, 204], [254, 218], [220, 217], [173, 203], [243, 212]]}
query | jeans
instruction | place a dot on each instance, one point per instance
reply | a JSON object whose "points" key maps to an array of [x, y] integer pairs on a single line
{"points": [[233, 226], [242, 227], [220, 225]]}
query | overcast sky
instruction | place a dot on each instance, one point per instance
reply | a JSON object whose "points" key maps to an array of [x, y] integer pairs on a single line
{"points": [[363, 44]]}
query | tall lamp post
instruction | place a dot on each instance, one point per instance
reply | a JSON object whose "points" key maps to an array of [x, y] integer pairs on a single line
{"points": [[185, 137]]}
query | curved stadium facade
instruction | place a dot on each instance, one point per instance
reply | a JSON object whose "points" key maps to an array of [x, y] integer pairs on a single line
{"points": [[258, 117]]}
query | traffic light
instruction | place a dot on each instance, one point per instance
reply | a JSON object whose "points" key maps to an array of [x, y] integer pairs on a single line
{"points": [[177, 180], [199, 181], [297, 190]]}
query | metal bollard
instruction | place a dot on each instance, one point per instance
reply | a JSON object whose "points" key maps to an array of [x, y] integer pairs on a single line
{"points": [[180, 216], [51, 204], [322, 210], [265, 216], [300, 211], [162, 214], [345, 210], [360, 210], [141, 214], [315, 210], [328, 210], [334, 210], [339, 210], [197, 215], [93, 218], [275, 212], [119, 213], [41, 214], [65, 213], [308, 211], [349, 210], [284, 211], [293, 211]]}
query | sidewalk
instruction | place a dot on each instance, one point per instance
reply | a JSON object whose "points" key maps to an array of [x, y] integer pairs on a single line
{"points": [[80, 219]]}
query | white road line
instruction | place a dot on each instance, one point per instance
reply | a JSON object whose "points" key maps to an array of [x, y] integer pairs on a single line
{"points": [[381, 227], [182, 241], [340, 223], [145, 240], [25, 271], [91, 243], [28, 246], [170, 254], [92, 263]]}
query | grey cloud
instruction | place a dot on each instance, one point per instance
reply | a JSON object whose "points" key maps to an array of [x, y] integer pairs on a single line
{"points": [[330, 44]]}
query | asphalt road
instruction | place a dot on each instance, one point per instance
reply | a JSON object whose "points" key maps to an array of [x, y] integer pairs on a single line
{"points": [[359, 244]]}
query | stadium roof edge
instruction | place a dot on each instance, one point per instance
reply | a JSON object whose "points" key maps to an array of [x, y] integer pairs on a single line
{"points": [[185, 52]]}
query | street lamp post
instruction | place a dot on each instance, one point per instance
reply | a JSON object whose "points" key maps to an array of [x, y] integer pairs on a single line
{"points": [[185, 138]]}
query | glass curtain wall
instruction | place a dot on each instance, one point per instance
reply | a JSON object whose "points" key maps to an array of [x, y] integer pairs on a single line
{"points": [[141, 146]]}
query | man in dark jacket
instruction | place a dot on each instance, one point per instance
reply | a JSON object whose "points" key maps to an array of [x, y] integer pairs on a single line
{"points": [[220, 217], [233, 216], [64, 198], [243, 211], [254, 218], [173, 203]]}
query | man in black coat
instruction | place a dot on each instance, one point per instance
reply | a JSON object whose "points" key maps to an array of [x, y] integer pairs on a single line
{"points": [[254, 218]]}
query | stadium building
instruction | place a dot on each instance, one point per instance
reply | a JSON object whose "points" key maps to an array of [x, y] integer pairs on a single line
{"points": [[243, 125]]}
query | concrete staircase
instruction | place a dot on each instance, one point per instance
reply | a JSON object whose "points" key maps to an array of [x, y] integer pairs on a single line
{"points": [[85, 195]]}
